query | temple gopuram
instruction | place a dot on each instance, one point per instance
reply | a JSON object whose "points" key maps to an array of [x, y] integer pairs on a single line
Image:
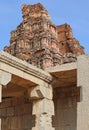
{"points": [[44, 76], [40, 42]]}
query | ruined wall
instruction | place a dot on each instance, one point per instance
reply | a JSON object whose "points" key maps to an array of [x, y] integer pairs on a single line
{"points": [[16, 114], [38, 41]]}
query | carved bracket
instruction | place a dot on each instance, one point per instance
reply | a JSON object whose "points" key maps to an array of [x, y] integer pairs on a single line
{"points": [[40, 92]]}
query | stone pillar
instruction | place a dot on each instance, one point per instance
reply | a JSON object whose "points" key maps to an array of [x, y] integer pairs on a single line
{"points": [[83, 81], [43, 107], [5, 78]]}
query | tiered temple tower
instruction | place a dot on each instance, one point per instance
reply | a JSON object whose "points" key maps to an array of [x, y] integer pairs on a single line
{"points": [[67, 43], [38, 41]]}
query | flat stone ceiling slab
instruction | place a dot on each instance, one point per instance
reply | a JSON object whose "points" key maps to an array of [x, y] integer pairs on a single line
{"points": [[64, 75]]}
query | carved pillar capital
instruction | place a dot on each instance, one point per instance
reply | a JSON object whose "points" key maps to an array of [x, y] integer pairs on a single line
{"points": [[40, 92]]}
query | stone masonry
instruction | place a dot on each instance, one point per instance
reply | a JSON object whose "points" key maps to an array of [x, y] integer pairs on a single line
{"points": [[41, 43], [25, 95]]}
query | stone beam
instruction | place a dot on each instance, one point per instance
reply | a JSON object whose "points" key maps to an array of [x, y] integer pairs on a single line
{"points": [[83, 81], [23, 69], [62, 68]]}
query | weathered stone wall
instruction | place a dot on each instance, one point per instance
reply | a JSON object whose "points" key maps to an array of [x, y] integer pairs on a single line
{"points": [[65, 114], [16, 114], [65, 101]]}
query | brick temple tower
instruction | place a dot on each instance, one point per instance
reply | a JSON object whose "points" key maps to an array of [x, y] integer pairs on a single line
{"points": [[67, 43], [35, 39], [38, 41]]}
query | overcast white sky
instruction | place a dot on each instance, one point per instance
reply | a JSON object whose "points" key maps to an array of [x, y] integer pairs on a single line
{"points": [[73, 12]]}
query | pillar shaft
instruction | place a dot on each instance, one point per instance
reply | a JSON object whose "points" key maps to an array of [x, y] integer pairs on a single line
{"points": [[43, 110], [43, 107]]}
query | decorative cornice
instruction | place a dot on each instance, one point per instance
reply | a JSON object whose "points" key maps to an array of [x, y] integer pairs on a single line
{"points": [[24, 66]]}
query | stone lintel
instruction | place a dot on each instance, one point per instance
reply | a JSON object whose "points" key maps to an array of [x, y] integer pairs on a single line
{"points": [[23, 69], [63, 67]]}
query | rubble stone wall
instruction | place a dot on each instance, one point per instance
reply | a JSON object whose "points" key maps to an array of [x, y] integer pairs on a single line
{"points": [[16, 114]]}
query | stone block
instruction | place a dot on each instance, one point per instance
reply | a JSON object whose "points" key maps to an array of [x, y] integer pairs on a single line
{"points": [[5, 124], [43, 106], [26, 121], [43, 128], [40, 92], [23, 109], [10, 111], [5, 77], [15, 122], [3, 112], [5, 104], [17, 101]]}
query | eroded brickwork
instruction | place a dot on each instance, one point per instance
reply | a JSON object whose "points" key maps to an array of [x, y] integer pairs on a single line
{"points": [[38, 41], [67, 43]]}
